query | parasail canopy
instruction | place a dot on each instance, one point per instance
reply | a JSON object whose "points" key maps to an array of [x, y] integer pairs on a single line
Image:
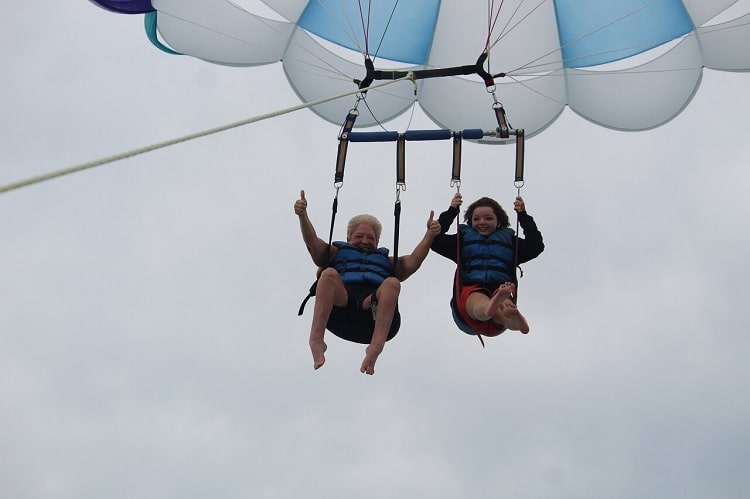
{"points": [[623, 64]]}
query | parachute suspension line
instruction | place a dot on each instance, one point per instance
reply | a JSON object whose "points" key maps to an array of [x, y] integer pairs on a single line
{"points": [[365, 26], [385, 30], [160, 145], [351, 33], [490, 21], [510, 27], [411, 114]]}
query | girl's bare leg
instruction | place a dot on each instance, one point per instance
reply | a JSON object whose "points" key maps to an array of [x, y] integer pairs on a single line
{"points": [[483, 308], [476, 306], [500, 309]]}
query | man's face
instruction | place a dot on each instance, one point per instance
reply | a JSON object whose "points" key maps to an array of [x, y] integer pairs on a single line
{"points": [[363, 236]]}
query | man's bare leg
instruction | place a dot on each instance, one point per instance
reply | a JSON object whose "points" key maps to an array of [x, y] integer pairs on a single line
{"points": [[330, 291], [387, 295]]}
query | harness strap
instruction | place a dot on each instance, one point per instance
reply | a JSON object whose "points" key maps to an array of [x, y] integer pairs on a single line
{"points": [[400, 185], [346, 129], [456, 172], [307, 298], [396, 231], [520, 147], [518, 183], [503, 128], [334, 209]]}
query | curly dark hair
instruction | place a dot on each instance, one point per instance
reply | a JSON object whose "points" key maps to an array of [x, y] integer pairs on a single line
{"points": [[502, 217]]}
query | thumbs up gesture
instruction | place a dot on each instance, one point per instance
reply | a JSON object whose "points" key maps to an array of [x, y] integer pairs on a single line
{"points": [[300, 206], [433, 226]]}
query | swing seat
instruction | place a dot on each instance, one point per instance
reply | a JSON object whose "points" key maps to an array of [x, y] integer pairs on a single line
{"points": [[461, 324]]}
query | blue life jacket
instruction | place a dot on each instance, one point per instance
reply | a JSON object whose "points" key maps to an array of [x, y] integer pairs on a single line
{"points": [[487, 260], [358, 265]]}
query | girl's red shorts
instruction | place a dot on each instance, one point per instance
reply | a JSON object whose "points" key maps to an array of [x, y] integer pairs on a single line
{"points": [[487, 328]]}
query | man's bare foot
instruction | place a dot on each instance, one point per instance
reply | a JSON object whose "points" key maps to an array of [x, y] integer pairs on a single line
{"points": [[371, 355], [501, 294], [318, 348]]}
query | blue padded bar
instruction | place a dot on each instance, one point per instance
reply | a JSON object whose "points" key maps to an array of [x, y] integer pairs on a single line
{"points": [[373, 136], [428, 134], [472, 133], [415, 135]]}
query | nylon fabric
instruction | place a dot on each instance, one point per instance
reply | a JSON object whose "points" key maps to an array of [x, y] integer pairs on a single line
{"points": [[357, 265], [594, 32], [622, 64], [486, 260]]}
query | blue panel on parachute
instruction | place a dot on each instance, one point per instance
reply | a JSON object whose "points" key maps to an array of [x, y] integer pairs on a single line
{"points": [[408, 29], [596, 32]]}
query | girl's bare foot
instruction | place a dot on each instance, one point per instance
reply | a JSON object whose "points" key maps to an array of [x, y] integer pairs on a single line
{"points": [[513, 319], [318, 348], [501, 294], [371, 355]]}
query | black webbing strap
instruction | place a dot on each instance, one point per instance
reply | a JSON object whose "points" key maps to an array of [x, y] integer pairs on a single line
{"points": [[310, 294], [515, 260], [396, 230], [334, 210], [401, 160], [477, 68]]}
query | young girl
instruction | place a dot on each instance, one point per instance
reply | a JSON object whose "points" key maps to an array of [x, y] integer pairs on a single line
{"points": [[486, 253]]}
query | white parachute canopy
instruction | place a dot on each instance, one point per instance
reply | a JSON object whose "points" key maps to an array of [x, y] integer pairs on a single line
{"points": [[623, 64]]}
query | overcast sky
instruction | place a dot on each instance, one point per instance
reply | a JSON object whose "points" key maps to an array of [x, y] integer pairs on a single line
{"points": [[149, 342]]}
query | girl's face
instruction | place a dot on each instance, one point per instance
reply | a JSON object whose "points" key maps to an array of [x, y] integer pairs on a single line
{"points": [[364, 236], [484, 220]]}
